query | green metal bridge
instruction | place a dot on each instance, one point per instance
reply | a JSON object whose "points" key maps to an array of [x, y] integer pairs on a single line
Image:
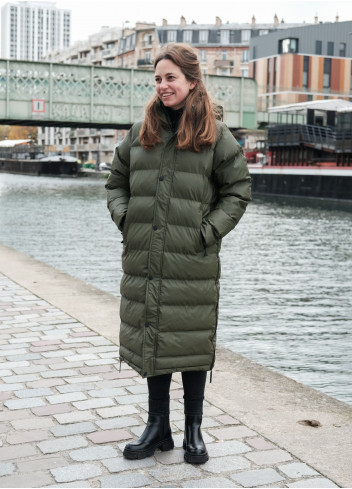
{"points": [[54, 94]]}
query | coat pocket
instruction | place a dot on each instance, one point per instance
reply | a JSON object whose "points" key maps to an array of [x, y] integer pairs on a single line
{"points": [[208, 234]]}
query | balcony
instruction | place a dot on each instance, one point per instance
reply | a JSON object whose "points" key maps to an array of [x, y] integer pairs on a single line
{"points": [[78, 147], [83, 61], [144, 62], [107, 53], [110, 52], [82, 132], [224, 63], [95, 57], [108, 132]]}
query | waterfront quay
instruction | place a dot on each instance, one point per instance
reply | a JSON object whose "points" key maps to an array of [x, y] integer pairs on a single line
{"points": [[67, 411]]}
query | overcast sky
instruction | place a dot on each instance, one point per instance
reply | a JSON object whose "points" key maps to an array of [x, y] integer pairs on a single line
{"points": [[89, 16]]}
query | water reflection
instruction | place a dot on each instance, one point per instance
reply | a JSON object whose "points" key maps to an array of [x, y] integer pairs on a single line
{"points": [[286, 270]]}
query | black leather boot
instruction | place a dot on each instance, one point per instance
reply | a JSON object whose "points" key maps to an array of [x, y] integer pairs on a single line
{"points": [[157, 434], [193, 444]]}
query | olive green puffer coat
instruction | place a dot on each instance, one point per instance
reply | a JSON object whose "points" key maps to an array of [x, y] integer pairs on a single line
{"points": [[173, 207]]}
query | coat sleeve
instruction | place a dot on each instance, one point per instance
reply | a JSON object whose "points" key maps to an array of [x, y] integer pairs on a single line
{"points": [[117, 185], [233, 183]]}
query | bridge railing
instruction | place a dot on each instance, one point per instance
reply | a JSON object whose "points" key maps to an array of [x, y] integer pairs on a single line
{"points": [[59, 94]]}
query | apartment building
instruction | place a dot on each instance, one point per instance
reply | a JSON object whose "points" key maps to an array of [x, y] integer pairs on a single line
{"points": [[87, 144], [223, 50], [310, 62], [29, 30]]}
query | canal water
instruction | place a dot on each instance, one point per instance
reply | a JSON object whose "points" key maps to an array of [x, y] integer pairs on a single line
{"points": [[286, 293]]}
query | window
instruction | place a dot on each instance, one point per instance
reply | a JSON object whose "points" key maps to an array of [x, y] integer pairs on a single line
{"points": [[245, 56], [327, 73], [289, 45], [203, 55], [245, 35], [318, 47], [171, 36], [223, 55], [263, 32], [187, 36], [342, 49], [305, 76], [268, 70], [225, 37], [203, 37], [245, 73], [330, 49]]}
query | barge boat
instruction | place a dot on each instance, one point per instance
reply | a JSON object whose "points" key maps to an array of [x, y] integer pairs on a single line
{"points": [[312, 160]]}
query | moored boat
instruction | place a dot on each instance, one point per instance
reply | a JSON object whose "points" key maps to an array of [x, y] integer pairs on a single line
{"points": [[311, 160]]}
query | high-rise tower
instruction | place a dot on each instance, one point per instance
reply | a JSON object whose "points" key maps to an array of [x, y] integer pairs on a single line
{"points": [[29, 30]]}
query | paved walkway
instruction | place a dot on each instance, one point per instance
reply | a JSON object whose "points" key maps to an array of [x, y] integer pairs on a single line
{"points": [[66, 413]]}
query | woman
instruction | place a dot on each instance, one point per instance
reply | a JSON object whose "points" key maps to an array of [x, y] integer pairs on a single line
{"points": [[179, 183]]}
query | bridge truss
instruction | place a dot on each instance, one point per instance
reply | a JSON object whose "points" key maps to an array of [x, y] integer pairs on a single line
{"points": [[54, 94]]}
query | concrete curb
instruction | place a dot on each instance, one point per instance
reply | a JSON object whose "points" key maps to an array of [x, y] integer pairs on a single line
{"points": [[260, 398]]}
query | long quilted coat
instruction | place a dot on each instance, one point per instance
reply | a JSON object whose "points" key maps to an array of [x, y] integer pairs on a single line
{"points": [[173, 207]]}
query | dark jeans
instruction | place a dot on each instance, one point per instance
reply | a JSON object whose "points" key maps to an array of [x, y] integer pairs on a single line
{"points": [[193, 387]]}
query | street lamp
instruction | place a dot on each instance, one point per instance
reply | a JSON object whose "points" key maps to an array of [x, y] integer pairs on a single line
{"points": [[97, 164]]}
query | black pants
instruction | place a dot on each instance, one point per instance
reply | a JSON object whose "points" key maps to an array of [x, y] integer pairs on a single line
{"points": [[193, 386]]}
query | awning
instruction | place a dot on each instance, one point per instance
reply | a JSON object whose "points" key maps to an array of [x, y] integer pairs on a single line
{"points": [[11, 143], [337, 105]]}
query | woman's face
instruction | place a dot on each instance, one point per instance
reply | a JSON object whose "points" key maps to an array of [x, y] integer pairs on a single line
{"points": [[172, 87]]}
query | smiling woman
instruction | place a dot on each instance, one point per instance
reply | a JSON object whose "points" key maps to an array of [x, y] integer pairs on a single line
{"points": [[180, 86], [179, 183]]}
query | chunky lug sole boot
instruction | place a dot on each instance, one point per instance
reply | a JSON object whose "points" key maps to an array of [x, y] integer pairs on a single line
{"points": [[157, 434], [193, 444]]}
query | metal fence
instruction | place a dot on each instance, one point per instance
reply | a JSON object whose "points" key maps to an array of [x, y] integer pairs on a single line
{"points": [[318, 137]]}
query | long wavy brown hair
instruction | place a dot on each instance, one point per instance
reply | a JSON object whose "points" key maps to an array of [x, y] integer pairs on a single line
{"points": [[197, 127]]}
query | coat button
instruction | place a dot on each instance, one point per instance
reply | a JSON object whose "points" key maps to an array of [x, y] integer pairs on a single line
{"points": [[161, 178], [146, 324], [155, 227], [150, 277]]}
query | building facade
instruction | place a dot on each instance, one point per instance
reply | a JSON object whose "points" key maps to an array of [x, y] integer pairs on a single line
{"points": [[29, 30], [89, 145], [223, 50], [310, 62]]}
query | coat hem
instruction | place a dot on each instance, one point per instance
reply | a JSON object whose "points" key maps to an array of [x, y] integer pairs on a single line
{"points": [[201, 368]]}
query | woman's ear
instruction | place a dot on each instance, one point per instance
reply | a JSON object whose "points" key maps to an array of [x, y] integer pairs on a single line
{"points": [[192, 84]]}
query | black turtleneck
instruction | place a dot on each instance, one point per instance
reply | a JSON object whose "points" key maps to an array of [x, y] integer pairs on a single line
{"points": [[174, 117]]}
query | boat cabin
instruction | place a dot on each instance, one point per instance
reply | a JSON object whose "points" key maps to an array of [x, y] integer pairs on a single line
{"points": [[324, 140]]}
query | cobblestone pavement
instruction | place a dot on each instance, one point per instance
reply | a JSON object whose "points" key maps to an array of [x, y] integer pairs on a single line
{"points": [[66, 413]]}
